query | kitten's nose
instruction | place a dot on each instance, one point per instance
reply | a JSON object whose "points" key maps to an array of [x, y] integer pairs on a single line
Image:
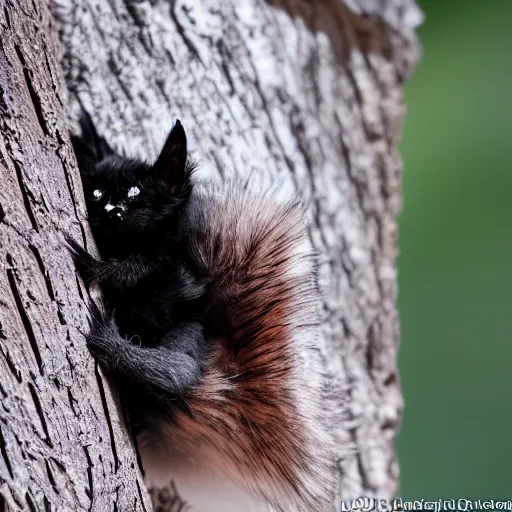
{"points": [[114, 211]]}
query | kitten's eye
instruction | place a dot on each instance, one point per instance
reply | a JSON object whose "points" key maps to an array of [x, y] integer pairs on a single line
{"points": [[133, 192], [97, 194]]}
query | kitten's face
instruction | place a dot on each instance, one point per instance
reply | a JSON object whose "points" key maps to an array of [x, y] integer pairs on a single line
{"points": [[124, 198]]}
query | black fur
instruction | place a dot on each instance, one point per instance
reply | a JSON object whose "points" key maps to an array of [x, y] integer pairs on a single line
{"points": [[152, 338]]}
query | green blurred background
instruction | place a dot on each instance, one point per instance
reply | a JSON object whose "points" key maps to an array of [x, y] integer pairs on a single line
{"points": [[455, 264]]}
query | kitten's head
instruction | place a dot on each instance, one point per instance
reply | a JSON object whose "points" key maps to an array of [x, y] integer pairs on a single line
{"points": [[128, 197]]}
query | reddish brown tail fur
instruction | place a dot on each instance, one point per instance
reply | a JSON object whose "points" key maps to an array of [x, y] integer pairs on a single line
{"points": [[257, 409]]}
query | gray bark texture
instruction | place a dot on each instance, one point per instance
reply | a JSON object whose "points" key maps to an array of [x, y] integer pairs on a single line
{"points": [[308, 91], [63, 445]]}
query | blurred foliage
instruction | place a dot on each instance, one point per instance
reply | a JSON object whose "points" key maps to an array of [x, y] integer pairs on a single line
{"points": [[455, 256]]}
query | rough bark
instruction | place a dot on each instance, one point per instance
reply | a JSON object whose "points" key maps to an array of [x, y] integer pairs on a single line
{"points": [[63, 445], [309, 91]]}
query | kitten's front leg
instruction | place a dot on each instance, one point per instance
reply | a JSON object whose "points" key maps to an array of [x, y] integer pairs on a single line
{"points": [[86, 264], [121, 274], [161, 370]]}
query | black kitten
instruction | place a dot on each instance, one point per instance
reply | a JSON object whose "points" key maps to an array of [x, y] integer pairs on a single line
{"points": [[134, 210], [215, 325]]}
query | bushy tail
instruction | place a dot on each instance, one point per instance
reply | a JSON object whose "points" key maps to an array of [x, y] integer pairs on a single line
{"points": [[257, 410]]}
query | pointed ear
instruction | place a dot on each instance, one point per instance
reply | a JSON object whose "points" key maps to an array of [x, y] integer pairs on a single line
{"points": [[90, 148], [97, 145], [169, 168]]}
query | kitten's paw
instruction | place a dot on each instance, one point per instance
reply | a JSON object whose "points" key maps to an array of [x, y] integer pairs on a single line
{"points": [[86, 264], [104, 341], [97, 317], [191, 372], [189, 339]]}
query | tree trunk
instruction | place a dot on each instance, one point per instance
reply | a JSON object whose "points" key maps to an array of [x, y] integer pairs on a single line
{"points": [[63, 445], [310, 91]]}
